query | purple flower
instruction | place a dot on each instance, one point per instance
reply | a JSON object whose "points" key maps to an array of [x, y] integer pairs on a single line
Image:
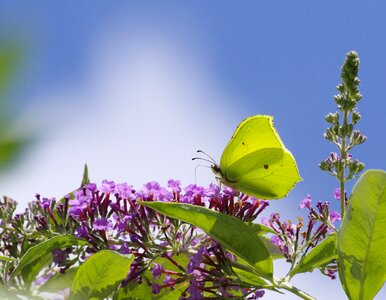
{"points": [[175, 185], [334, 216], [45, 203], [108, 187], [192, 191], [337, 194], [256, 295], [277, 241], [121, 225], [125, 248], [330, 273], [168, 280], [151, 188], [125, 191], [195, 260], [92, 187], [155, 288], [154, 190], [114, 247], [333, 157], [265, 221], [80, 202], [213, 190], [82, 232], [229, 192], [306, 202], [102, 224], [134, 237], [42, 279], [59, 256], [157, 270], [194, 289]]}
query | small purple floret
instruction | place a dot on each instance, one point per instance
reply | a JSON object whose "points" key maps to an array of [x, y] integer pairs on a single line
{"points": [[156, 289], [276, 241], [256, 295], [125, 191], [102, 224], [157, 270], [82, 232], [306, 202], [175, 185], [45, 203], [334, 216], [337, 194], [108, 187]]}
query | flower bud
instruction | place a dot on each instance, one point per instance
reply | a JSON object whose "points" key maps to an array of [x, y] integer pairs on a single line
{"points": [[357, 138], [340, 88], [328, 135], [332, 118], [355, 117]]}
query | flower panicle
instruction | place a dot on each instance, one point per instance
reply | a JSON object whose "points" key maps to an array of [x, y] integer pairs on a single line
{"points": [[109, 216], [296, 239]]}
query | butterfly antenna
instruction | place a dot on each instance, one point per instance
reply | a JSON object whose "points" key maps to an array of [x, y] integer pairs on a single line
{"points": [[195, 172], [204, 159], [207, 155]]}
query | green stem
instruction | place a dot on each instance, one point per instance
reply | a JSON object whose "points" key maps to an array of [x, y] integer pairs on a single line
{"points": [[343, 155], [294, 290], [342, 199]]}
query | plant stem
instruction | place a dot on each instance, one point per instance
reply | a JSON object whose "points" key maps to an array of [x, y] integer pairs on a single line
{"points": [[287, 286], [342, 178]]}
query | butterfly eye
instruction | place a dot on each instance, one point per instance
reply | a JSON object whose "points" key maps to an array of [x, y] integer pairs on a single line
{"points": [[266, 167]]}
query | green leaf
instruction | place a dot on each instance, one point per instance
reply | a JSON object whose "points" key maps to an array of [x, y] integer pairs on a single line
{"points": [[250, 278], [34, 254], [318, 257], [273, 250], [30, 271], [59, 281], [12, 139], [11, 146], [260, 228], [362, 238], [85, 178], [231, 232], [246, 273], [100, 275], [6, 258], [9, 57]]}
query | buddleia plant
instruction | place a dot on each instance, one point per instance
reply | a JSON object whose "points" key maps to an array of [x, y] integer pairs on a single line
{"points": [[341, 131]]}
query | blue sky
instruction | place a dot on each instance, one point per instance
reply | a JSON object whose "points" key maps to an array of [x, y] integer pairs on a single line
{"points": [[134, 88]]}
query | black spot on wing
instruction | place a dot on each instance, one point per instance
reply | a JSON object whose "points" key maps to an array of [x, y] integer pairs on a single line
{"points": [[266, 167]]}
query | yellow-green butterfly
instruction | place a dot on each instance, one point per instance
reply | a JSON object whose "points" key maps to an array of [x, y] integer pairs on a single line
{"points": [[256, 162]]}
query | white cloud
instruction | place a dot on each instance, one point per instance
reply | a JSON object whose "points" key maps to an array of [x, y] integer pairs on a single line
{"points": [[141, 111]]}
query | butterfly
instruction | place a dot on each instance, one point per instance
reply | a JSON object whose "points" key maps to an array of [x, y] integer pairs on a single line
{"points": [[256, 162]]}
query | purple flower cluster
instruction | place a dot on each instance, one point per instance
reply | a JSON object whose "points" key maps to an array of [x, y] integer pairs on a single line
{"points": [[294, 241], [110, 217], [168, 254]]}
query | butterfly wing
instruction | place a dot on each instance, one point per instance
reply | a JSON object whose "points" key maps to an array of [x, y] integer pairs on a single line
{"points": [[253, 134], [256, 162]]}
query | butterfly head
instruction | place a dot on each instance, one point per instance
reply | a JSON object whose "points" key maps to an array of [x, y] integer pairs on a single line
{"points": [[217, 171], [213, 165]]}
